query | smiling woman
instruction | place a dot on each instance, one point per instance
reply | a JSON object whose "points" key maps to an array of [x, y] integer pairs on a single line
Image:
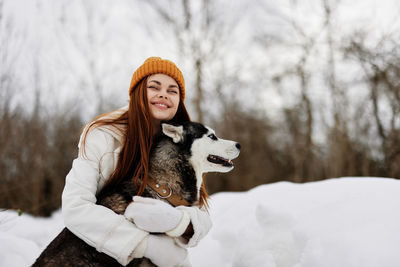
{"points": [[117, 145]]}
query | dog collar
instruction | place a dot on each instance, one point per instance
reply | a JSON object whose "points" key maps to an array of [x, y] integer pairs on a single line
{"points": [[163, 191]]}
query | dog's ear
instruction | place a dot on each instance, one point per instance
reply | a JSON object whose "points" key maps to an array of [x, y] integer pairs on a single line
{"points": [[175, 132]]}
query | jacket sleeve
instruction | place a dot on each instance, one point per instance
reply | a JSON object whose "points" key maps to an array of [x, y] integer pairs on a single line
{"points": [[98, 226]]}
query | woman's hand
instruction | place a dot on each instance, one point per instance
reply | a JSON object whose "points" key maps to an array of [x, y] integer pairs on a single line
{"points": [[188, 224], [155, 216]]}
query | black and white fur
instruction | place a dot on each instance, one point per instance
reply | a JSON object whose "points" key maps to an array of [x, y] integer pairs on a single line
{"points": [[178, 158]]}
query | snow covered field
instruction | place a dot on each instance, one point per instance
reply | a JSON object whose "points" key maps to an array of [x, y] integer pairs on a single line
{"points": [[339, 222]]}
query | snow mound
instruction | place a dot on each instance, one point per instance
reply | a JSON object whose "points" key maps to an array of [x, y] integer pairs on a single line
{"points": [[337, 222], [347, 222]]}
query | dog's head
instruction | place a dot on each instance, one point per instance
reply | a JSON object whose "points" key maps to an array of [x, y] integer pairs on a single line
{"points": [[206, 152]]}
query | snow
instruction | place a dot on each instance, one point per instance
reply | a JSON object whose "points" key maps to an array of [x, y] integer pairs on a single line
{"points": [[346, 222], [22, 238]]}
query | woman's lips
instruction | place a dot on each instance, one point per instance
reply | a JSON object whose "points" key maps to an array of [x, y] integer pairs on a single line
{"points": [[160, 105]]}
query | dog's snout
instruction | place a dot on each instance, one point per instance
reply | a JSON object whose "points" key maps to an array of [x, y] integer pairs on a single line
{"points": [[238, 146]]}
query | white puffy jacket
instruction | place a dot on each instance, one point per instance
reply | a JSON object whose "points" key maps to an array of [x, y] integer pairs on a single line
{"points": [[99, 226]]}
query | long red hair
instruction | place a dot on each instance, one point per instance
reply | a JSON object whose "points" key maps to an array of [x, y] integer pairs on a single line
{"points": [[133, 160]]}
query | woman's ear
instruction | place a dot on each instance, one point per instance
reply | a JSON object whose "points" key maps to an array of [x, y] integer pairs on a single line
{"points": [[175, 132]]}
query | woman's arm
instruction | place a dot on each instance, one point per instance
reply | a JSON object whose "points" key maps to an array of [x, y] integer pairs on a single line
{"points": [[98, 226]]}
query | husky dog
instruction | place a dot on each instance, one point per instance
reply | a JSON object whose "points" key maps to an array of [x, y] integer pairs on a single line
{"points": [[178, 158]]}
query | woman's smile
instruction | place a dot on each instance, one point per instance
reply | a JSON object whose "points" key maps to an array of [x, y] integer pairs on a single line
{"points": [[160, 105]]}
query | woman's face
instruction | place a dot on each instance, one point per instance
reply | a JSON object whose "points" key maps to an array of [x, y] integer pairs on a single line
{"points": [[163, 97]]}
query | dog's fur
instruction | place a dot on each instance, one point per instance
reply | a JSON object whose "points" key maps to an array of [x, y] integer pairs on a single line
{"points": [[178, 158]]}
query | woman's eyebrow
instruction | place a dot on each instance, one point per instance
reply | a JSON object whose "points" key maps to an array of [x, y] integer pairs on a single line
{"points": [[159, 83]]}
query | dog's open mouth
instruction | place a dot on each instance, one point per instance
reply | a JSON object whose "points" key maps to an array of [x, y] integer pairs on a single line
{"points": [[219, 160]]}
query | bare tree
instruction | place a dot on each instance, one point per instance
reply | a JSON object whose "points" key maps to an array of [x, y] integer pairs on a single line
{"points": [[342, 152], [200, 36], [380, 65], [298, 119], [90, 43], [28, 172]]}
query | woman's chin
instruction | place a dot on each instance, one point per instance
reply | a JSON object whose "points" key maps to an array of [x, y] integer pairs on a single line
{"points": [[162, 117]]}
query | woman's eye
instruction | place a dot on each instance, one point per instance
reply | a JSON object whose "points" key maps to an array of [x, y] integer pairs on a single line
{"points": [[153, 87], [213, 137]]}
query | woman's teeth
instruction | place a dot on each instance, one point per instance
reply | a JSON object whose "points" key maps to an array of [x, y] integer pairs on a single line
{"points": [[161, 105]]}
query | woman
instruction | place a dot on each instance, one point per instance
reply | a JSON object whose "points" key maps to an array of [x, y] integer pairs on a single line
{"points": [[116, 145]]}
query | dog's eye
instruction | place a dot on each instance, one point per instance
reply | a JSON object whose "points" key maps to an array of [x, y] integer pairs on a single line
{"points": [[212, 136]]}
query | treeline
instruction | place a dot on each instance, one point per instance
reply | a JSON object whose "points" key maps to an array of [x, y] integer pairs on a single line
{"points": [[36, 153], [355, 136]]}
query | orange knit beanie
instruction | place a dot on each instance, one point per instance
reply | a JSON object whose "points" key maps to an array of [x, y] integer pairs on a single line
{"points": [[154, 65]]}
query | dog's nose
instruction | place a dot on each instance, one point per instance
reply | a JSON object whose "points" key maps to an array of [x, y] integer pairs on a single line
{"points": [[238, 146]]}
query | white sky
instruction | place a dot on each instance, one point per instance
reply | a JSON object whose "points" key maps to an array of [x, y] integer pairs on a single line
{"points": [[62, 53]]}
